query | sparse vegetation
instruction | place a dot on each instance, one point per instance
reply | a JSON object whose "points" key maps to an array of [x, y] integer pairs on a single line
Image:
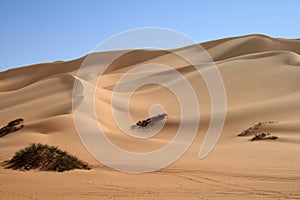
{"points": [[258, 136], [44, 158], [251, 129], [263, 136], [12, 126], [150, 121]]}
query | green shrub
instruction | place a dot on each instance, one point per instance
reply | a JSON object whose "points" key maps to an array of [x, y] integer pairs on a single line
{"points": [[44, 158]]}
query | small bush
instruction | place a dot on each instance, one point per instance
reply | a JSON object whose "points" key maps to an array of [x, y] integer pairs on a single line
{"points": [[150, 121], [12, 126], [44, 158], [263, 136], [251, 129]]}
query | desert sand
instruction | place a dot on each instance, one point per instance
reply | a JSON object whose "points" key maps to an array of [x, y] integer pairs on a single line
{"points": [[262, 81]]}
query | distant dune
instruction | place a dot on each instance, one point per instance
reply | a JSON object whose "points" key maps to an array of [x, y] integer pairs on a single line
{"points": [[262, 82]]}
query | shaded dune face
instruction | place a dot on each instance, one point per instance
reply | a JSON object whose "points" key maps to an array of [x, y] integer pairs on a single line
{"points": [[262, 81]]}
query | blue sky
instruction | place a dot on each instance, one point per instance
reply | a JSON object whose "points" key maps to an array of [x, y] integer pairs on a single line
{"points": [[35, 31]]}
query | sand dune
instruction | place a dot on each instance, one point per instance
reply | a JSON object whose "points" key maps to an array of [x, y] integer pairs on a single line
{"points": [[262, 82]]}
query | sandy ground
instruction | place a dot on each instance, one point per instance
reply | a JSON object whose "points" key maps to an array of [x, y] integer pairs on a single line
{"points": [[262, 81]]}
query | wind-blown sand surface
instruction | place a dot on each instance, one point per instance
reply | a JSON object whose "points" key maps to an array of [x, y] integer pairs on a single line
{"points": [[262, 82]]}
